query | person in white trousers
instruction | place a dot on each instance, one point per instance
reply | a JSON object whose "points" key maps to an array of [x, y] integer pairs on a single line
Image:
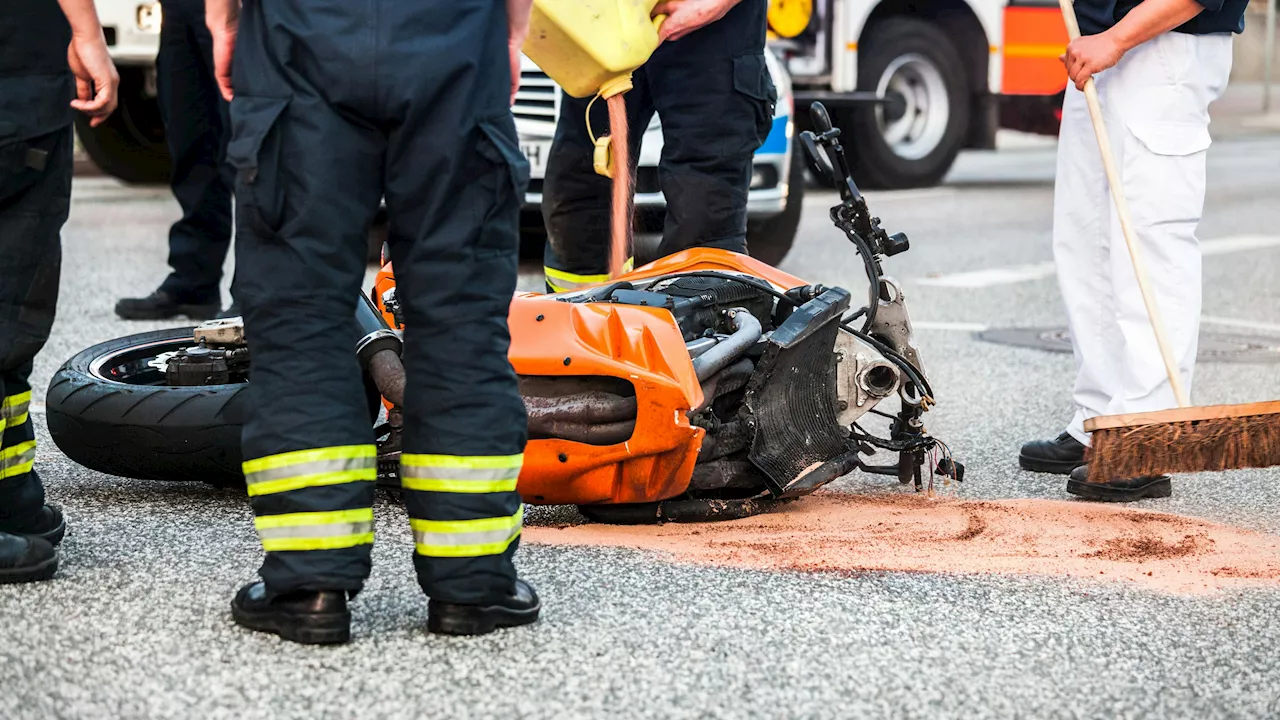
{"points": [[1158, 65]]}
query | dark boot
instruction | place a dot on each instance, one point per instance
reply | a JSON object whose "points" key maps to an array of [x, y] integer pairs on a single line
{"points": [[26, 559], [307, 616], [233, 310], [1059, 456], [519, 608], [48, 525], [1154, 486], [160, 305]]}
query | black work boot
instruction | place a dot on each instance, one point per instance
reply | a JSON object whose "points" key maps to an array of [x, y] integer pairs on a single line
{"points": [[26, 559], [519, 608], [1153, 486], [48, 525], [311, 617], [1059, 456], [160, 305]]}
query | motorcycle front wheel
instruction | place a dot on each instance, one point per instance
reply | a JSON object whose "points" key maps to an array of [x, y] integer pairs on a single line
{"points": [[110, 409]]}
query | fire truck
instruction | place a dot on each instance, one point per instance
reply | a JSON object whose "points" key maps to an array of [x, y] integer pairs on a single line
{"points": [[914, 82]]}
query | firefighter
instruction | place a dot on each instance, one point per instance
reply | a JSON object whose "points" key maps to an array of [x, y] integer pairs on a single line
{"points": [[38, 92], [1157, 65], [711, 89], [196, 130], [335, 106]]}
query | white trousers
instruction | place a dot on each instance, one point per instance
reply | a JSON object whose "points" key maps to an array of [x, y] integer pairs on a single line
{"points": [[1156, 106]]}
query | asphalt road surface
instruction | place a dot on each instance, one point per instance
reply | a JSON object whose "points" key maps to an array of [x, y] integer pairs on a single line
{"points": [[137, 623]]}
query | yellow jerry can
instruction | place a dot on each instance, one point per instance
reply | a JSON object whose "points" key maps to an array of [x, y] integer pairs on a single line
{"points": [[592, 46]]}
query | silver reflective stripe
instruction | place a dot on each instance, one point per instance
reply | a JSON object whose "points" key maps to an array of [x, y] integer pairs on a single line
{"points": [[21, 458], [9, 412], [315, 467], [484, 537], [316, 531], [457, 473]]}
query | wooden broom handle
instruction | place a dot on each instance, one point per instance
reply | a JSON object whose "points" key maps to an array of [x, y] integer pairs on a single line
{"points": [[1122, 210]]}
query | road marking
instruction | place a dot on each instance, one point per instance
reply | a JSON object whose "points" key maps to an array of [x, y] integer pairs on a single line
{"points": [[948, 326], [1041, 270], [1238, 323], [992, 276]]}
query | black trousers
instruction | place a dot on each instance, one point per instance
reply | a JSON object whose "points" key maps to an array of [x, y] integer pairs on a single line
{"points": [[196, 129], [338, 105], [35, 195], [714, 96]]}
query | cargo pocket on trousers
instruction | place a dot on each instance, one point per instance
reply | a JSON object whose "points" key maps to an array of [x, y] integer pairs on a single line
{"points": [[507, 174], [1168, 137], [751, 78], [255, 151]]}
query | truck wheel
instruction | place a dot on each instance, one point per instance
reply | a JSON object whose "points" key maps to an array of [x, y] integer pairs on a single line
{"points": [[770, 239], [130, 145], [915, 143]]}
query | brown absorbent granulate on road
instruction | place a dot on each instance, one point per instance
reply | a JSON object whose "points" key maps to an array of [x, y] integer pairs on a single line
{"points": [[838, 533]]}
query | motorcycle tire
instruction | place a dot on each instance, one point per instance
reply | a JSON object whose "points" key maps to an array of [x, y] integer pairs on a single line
{"points": [[119, 426]]}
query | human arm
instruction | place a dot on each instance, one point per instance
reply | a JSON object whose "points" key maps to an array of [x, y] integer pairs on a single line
{"points": [[685, 16], [1092, 54], [223, 20], [518, 29], [97, 81]]}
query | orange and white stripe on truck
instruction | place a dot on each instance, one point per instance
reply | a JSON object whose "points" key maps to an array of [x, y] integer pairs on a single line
{"points": [[1034, 37]]}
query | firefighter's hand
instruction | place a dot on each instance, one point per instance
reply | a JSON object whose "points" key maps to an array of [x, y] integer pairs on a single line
{"points": [[97, 82], [1091, 54], [224, 47], [685, 16], [222, 17]]}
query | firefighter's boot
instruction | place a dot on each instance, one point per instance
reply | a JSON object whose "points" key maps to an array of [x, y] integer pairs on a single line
{"points": [[309, 617], [47, 524], [521, 607], [26, 559]]}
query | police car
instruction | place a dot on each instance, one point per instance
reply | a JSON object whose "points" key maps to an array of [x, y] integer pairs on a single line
{"points": [[777, 178]]}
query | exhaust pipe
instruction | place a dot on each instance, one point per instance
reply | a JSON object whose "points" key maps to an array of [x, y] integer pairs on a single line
{"points": [[746, 332]]}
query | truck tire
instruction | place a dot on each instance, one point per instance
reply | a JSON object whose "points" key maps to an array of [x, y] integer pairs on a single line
{"points": [[770, 239], [918, 147], [130, 145]]}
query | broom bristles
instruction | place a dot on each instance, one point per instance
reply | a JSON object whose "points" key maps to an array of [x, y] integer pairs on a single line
{"points": [[1208, 445]]}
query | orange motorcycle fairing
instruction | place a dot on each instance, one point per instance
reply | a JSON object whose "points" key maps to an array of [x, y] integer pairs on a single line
{"points": [[642, 346]]}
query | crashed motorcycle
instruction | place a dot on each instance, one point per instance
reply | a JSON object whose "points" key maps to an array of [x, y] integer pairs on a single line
{"points": [[705, 385]]}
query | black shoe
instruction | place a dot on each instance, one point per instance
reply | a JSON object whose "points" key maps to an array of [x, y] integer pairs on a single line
{"points": [[1059, 456], [160, 305], [26, 559], [232, 311], [1154, 486], [308, 617], [48, 525], [519, 608]]}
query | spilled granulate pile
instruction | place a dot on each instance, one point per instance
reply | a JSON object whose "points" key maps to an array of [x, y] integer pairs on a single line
{"points": [[838, 533]]}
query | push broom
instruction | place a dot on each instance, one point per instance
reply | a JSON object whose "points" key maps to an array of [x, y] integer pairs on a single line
{"points": [[1185, 439]]}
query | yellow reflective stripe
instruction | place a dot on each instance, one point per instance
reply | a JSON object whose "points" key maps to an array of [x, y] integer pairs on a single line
{"points": [[466, 538], [298, 457], [17, 421], [329, 517], [311, 468], [562, 281], [460, 473], [335, 542], [14, 407], [629, 265], [17, 460], [299, 482], [329, 530]]}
